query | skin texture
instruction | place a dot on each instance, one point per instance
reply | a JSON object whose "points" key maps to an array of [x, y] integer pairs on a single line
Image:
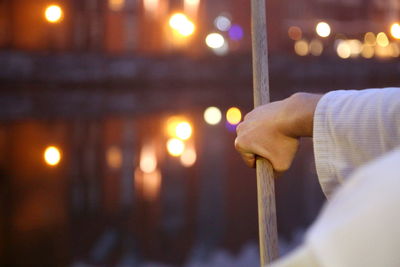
{"points": [[272, 131]]}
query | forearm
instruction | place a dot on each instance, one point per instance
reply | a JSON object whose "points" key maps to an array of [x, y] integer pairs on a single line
{"points": [[297, 117]]}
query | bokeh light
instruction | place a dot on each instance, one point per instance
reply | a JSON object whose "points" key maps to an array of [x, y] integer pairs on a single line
{"points": [[222, 23], [343, 49], [323, 29], [52, 156], [382, 39], [148, 159], [53, 13], [295, 33], [355, 47], [316, 47], [118, 5], [301, 48], [175, 147], [183, 130], [114, 157], [150, 6], [189, 156], [236, 32], [234, 116], [367, 51], [215, 40], [181, 24], [370, 38], [148, 184], [394, 48], [212, 115], [395, 31]]}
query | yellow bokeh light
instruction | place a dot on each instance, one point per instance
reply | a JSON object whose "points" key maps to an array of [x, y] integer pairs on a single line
{"points": [[316, 47], [394, 49], [148, 184], [382, 39], [395, 30], [215, 40], [151, 6], [52, 155], [301, 48], [370, 38], [233, 116], [148, 159], [183, 130], [114, 157], [117, 5], [367, 51], [343, 49], [323, 29], [355, 47], [181, 24], [212, 115], [53, 13], [188, 158], [175, 147]]}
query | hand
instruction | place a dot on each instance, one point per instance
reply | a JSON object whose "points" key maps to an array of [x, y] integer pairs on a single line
{"points": [[272, 131]]}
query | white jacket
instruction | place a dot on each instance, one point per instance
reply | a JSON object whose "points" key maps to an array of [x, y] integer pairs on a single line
{"points": [[357, 154]]}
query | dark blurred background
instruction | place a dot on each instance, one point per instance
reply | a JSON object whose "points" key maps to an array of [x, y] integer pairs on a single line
{"points": [[109, 152]]}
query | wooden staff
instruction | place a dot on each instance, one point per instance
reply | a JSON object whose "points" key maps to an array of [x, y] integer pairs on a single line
{"points": [[265, 177]]}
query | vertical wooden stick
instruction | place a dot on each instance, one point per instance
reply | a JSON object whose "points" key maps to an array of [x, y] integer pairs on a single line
{"points": [[265, 176]]}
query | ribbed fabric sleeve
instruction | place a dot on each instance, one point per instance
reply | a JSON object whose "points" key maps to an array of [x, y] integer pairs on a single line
{"points": [[350, 129]]}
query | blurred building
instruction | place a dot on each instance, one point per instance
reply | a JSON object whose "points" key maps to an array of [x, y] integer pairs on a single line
{"points": [[87, 89]]}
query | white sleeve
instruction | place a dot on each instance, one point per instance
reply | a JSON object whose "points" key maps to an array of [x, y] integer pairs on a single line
{"points": [[352, 128]]}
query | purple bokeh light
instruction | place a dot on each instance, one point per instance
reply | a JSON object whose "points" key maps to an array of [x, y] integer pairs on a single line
{"points": [[236, 32], [231, 127]]}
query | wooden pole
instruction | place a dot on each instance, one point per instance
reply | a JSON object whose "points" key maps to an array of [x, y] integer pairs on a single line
{"points": [[265, 177]]}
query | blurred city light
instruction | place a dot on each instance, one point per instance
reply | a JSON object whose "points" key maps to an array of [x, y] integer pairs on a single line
{"points": [[301, 48], [148, 159], [150, 6], [323, 29], [382, 39], [178, 127], [367, 51], [355, 47], [148, 183], [191, 7], [118, 5], [395, 30], [189, 156], [343, 49], [370, 38], [295, 33], [181, 24], [383, 51], [222, 23], [183, 130], [215, 40], [53, 13], [236, 32], [316, 47], [394, 47], [212, 115], [114, 157], [175, 147], [233, 116], [52, 155]]}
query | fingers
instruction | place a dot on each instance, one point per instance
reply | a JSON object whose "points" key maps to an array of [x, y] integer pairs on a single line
{"points": [[248, 158]]}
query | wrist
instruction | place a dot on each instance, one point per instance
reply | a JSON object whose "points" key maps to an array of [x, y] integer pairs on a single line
{"points": [[298, 114]]}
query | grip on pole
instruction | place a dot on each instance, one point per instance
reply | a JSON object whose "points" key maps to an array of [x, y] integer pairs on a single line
{"points": [[265, 177]]}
